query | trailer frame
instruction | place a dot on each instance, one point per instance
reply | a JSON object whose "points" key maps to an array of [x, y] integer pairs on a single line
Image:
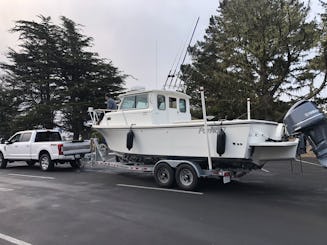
{"points": [[166, 172]]}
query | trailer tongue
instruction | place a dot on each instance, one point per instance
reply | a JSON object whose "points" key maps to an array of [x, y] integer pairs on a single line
{"points": [[304, 117]]}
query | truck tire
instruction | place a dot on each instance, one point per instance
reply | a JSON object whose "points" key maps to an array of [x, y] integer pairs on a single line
{"points": [[46, 163], [3, 161], [164, 175], [186, 177], [75, 163]]}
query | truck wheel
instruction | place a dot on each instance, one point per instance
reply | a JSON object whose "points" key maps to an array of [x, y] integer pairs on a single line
{"points": [[30, 163], [164, 175], [3, 161], [46, 163], [186, 177], [75, 164]]}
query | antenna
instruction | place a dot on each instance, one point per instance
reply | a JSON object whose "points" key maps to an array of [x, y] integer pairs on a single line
{"points": [[156, 63], [196, 24]]}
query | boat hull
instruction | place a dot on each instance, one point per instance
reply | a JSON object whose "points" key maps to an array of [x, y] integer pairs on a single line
{"points": [[246, 141]]}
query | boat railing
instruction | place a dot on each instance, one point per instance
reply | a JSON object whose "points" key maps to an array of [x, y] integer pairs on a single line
{"points": [[96, 115]]}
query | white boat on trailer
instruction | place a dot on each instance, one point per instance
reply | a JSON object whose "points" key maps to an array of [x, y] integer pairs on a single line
{"points": [[155, 129]]}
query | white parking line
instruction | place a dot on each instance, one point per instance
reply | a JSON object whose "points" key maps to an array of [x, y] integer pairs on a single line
{"points": [[13, 240], [310, 163], [265, 170], [5, 189], [32, 176], [160, 189]]}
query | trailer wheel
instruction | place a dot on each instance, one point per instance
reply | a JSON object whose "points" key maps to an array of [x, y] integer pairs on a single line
{"points": [[186, 177], [46, 163], [3, 161], [164, 175]]}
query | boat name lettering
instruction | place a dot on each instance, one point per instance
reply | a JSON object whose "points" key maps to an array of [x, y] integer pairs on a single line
{"points": [[211, 130]]}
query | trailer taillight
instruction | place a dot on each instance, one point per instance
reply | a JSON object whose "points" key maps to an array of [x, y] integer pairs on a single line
{"points": [[60, 146]]}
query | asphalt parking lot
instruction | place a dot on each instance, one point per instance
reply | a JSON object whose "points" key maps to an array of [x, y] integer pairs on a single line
{"points": [[283, 204]]}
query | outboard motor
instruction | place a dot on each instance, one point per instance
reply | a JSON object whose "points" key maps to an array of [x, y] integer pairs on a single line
{"points": [[304, 117]]}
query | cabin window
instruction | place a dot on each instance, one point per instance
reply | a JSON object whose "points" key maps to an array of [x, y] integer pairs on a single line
{"points": [[135, 102], [172, 102], [161, 99], [182, 105]]}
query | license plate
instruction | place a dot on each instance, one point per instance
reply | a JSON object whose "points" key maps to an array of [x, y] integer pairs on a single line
{"points": [[78, 156], [226, 179]]}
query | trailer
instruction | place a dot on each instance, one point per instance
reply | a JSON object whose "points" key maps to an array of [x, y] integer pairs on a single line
{"points": [[166, 172]]}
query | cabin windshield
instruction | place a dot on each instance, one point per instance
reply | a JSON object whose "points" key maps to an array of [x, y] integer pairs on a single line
{"points": [[139, 101]]}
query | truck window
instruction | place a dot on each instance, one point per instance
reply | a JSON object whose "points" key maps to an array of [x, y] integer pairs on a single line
{"points": [[25, 137], [15, 138], [47, 136]]}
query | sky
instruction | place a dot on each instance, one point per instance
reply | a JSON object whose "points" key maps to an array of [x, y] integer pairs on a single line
{"points": [[142, 38]]}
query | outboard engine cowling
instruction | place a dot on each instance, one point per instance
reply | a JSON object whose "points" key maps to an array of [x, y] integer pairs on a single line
{"points": [[304, 117]]}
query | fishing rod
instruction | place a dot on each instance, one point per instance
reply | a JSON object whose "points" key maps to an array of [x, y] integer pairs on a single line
{"points": [[186, 51], [171, 76]]}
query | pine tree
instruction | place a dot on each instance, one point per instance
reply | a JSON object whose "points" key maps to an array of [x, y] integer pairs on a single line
{"points": [[318, 65], [85, 77], [8, 107], [34, 71], [54, 72], [252, 48]]}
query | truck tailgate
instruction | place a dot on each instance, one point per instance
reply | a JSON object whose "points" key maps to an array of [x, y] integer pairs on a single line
{"points": [[76, 147]]}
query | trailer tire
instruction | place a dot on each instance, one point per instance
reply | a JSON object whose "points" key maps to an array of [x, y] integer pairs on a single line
{"points": [[3, 161], [164, 175], [186, 177], [46, 164]]}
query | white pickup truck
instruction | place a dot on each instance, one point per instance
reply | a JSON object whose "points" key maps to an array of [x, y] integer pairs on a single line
{"points": [[43, 146]]}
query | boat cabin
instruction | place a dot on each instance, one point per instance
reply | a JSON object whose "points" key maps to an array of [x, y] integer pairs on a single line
{"points": [[152, 107]]}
